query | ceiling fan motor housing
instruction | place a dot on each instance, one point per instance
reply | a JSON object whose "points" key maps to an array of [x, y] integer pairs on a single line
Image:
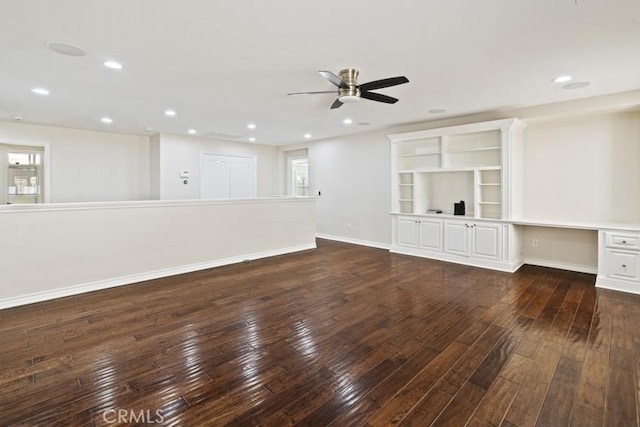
{"points": [[351, 93], [349, 76]]}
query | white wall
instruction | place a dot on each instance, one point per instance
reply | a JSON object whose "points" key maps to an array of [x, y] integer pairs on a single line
{"points": [[65, 249], [561, 247], [352, 175], [86, 165], [583, 168], [179, 152]]}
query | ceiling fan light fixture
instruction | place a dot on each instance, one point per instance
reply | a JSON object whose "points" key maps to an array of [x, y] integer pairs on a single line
{"points": [[347, 99]]}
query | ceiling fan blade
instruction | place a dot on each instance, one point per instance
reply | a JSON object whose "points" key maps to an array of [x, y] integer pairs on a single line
{"points": [[379, 84], [333, 79], [378, 97], [336, 104], [312, 93]]}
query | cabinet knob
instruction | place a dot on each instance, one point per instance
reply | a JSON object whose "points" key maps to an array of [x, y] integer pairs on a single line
{"points": [[624, 265], [624, 242]]}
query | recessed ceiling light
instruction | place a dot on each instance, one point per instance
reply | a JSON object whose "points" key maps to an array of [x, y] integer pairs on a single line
{"points": [[307, 135], [576, 85], [437, 111], [252, 139], [347, 121], [191, 131], [66, 49], [148, 129], [17, 118], [169, 113], [40, 91], [113, 65], [106, 120], [562, 79], [251, 126]]}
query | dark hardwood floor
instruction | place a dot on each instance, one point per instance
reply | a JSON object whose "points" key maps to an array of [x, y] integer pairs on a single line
{"points": [[341, 335]]}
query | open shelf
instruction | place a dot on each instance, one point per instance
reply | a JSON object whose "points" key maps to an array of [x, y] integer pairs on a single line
{"points": [[470, 150], [436, 168], [420, 154]]}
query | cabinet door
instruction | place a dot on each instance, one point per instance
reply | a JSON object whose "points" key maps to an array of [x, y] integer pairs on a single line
{"points": [[431, 235], [407, 232], [622, 264], [486, 241], [456, 238]]}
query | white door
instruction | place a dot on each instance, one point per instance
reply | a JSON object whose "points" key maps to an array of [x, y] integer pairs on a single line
{"points": [[225, 177], [407, 232], [431, 235], [243, 178], [486, 242], [216, 177], [456, 238]]}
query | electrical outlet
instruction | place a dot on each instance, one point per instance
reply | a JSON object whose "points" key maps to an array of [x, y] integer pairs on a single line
{"points": [[349, 227], [534, 242]]}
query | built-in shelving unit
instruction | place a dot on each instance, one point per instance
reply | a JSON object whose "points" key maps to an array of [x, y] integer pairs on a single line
{"points": [[433, 169]]}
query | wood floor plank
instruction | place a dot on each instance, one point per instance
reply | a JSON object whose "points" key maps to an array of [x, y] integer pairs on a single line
{"points": [[343, 335], [620, 401], [495, 404]]}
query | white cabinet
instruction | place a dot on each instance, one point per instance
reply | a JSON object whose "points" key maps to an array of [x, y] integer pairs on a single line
{"points": [[473, 239], [619, 260], [419, 233], [480, 243]]}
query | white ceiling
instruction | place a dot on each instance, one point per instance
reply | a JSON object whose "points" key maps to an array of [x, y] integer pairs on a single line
{"points": [[224, 64]]}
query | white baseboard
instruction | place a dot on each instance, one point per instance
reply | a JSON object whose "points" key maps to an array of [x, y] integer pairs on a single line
{"points": [[562, 265], [607, 283], [140, 277], [353, 241], [508, 267]]}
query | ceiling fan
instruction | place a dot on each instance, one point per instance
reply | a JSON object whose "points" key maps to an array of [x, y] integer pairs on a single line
{"points": [[350, 91]]}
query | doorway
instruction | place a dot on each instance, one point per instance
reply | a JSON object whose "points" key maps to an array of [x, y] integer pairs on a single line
{"points": [[300, 177]]}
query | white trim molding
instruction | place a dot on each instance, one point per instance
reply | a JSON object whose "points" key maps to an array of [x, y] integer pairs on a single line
{"points": [[354, 241]]}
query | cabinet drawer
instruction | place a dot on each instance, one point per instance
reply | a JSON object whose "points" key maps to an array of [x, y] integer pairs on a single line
{"points": [[623, 240], [622, 264]]}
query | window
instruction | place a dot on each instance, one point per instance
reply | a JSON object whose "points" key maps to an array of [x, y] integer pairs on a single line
{"points": [[21, 174]]}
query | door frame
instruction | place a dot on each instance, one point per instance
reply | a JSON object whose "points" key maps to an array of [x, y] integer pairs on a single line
{"points": [[290, 185]]}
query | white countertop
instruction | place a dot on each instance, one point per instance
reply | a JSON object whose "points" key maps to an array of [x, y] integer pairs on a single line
{"points": [[43, 207], [580, 225]]}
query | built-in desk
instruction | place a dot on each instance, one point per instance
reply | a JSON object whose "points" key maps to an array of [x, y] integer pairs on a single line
{"points": [[55, 250], [618, 251]]}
